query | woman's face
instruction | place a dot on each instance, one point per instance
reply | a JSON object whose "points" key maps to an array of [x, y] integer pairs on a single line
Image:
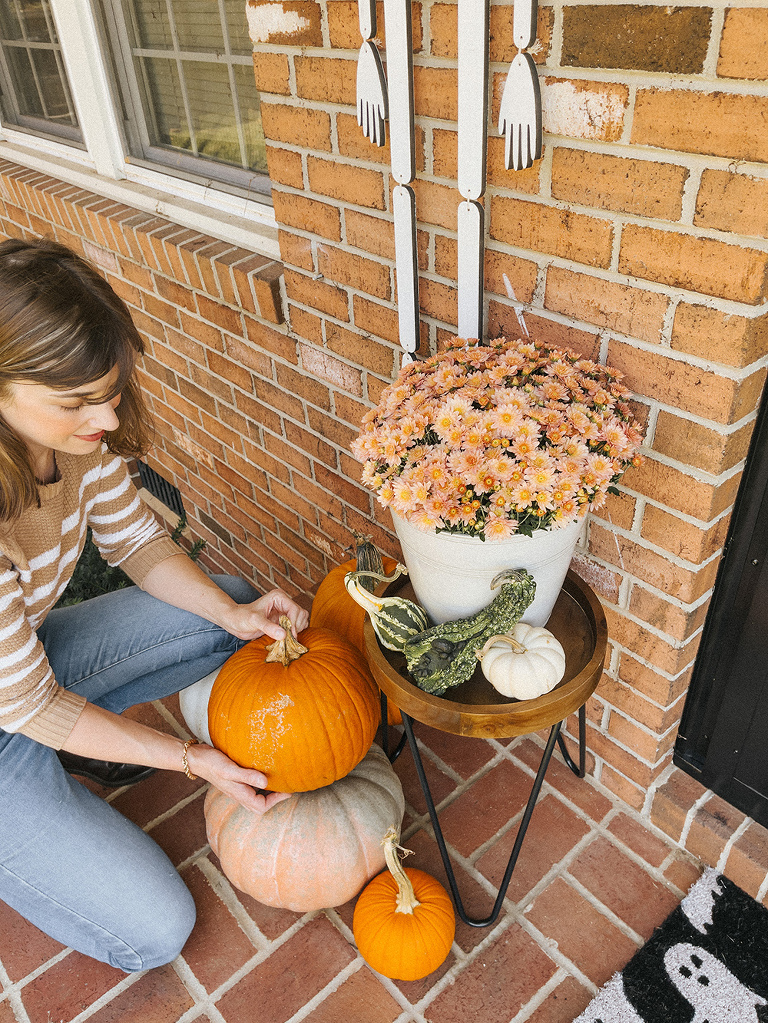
{"points": [[72, 421]]}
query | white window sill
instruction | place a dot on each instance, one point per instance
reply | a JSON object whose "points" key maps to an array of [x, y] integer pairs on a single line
{"points": [[230, 218]]}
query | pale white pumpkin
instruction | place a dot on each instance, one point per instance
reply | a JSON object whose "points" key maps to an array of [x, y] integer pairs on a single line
{"points": [[524, 663], [193, 702], [316, 849]]}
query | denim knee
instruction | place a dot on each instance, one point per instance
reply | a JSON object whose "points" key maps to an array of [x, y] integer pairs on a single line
{"points": [[160, 931], [238, 589]]}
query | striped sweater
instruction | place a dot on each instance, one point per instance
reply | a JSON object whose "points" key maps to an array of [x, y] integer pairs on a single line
{"points": [[38, 555]]}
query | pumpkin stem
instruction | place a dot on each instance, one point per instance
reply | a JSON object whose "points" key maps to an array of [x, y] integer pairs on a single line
{"points": [[517, 648], [406, 898], [287, 649]]}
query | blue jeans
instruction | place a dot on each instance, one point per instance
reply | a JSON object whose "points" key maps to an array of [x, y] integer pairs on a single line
{"points": [[69, 862]]}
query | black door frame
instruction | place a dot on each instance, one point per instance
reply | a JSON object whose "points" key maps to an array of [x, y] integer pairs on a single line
{"points": [[722, 698]]}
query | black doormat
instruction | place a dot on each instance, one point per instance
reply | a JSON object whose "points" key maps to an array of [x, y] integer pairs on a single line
{"points": [[707, 963]]}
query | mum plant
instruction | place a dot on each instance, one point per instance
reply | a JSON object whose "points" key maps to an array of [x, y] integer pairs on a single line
{"points": [[499, 437]]}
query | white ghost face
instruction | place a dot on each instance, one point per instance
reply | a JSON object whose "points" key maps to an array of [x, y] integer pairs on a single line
{"points": [[710, 987]]}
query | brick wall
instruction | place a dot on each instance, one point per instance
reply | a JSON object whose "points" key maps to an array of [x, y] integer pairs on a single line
{"points": [[639, 239]]}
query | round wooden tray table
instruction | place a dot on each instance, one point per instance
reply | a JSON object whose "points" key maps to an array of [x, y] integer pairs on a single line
{"points": [[475, 708]]}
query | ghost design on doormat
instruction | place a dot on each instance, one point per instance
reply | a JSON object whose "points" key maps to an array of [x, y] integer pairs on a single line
{"points": [[710, 987]]}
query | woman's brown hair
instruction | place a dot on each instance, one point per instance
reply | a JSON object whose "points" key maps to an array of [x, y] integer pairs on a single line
{"points": [[62, 325]]}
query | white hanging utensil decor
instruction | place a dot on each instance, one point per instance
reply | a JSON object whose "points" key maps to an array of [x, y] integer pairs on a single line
{"points": [[471, 271], [524, 23], [520, 110], [473, 96], [404, 206], [473, 118], [397, 19], [372, 105]]}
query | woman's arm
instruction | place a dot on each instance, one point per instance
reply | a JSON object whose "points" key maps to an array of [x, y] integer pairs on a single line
{"points": [[102, 735], [179, 581]]}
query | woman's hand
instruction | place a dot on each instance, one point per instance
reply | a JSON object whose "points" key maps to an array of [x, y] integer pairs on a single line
{"points": [[260, 618], [238, 782], [103, 735]]}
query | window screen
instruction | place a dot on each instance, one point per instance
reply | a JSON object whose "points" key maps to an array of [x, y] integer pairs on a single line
{"points": [[187, 67]]}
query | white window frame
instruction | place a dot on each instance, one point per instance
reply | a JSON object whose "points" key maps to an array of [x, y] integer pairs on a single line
{"points": [[103, 168]]}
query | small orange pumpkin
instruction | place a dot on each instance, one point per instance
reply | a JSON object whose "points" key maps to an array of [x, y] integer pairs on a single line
{"points": [[403, 922], [303, 713]]}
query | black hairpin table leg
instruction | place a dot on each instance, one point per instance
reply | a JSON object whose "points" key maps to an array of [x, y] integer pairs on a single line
{"points": [[579, 769], [385, 733], [554, 736]]}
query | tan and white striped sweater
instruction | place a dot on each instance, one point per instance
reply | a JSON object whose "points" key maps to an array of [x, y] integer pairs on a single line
{"points": [[37, 558]]}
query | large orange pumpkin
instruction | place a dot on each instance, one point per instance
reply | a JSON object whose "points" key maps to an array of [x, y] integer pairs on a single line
{"points": [[314, 850], [305, 723]]}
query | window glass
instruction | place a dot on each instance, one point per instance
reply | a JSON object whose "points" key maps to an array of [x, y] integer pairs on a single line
{"points": [[193, 87], [33, 80]]}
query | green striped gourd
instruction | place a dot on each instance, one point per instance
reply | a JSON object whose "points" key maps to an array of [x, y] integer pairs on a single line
{"points": [[394, 619], [444, 655]]}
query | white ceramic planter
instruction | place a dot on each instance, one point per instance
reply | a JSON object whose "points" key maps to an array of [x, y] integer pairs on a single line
{"points": [[451, 574]]}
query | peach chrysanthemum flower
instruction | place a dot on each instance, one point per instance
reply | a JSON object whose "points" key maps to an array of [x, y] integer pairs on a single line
{"points": [[390, 449], [500, 467], [473, 438], [386, 495], [403, 500], [523, 447], [370, 477], [425, 520], [446, 423], [466, 465], [544, 499], [497, 528], [505, 419], [601, 466], [540, 476], [522, 496]]}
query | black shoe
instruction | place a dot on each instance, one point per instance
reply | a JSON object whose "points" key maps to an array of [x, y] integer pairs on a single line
{"points": [[105, 772]]}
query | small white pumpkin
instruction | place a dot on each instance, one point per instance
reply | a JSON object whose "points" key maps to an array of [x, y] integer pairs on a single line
{"points": [[524, 663]]}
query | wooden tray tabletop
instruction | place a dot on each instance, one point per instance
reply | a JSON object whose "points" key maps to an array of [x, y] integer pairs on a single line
{"points": [[475, 708]]}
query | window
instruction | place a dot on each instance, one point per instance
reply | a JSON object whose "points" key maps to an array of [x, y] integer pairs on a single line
{"points": [[33, 80], [186, 71], [148, 102]]}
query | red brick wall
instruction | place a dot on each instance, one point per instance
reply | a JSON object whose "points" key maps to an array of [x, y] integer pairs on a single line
{"points": [[640, 238]]}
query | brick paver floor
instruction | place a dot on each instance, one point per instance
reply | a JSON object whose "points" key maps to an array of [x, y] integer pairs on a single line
{"points": [[591, 884]]}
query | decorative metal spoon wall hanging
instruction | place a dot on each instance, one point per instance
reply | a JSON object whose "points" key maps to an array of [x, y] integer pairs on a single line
{"points": [[520, 111], [372, 105]]}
